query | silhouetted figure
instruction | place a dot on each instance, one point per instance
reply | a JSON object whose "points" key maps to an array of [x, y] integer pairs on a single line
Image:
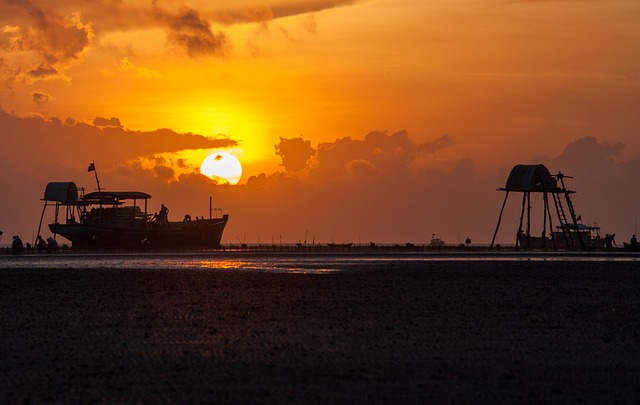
{"points": [[16, 245], [41, 245], [609, 241], [163, 216], [633, 244], [52, 245], [187, 218]]}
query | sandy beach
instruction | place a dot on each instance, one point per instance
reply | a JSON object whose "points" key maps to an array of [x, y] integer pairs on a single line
{"points": [[434, 332]]}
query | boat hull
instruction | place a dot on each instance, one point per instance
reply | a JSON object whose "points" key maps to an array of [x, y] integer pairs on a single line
{"points": [[204, 233]]}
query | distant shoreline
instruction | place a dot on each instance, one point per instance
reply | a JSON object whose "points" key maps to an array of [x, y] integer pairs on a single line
{"points": [[355, 250]]}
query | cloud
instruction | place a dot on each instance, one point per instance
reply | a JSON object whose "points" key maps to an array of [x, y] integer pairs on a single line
{"points": [[44, 71], [40, 40], [53, 143], [46, 40], [189, 30], [291, 8], [295, 153], [40, 98], [128, 66], [107, 122], [392, 154]]}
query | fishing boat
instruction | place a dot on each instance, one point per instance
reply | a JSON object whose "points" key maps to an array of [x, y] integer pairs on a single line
{"points": [[566, 236], [435, 241], [120, 219]]}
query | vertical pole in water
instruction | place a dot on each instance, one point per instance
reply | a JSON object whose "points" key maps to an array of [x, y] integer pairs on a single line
{"points": [[210, 207], [528, 219], [544, 221], [41, 218], [553, 241], [499, 218], [92, 168], [524, 201]]}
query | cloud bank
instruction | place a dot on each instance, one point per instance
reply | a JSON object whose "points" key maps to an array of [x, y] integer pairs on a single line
{"points": [[383, 188]]}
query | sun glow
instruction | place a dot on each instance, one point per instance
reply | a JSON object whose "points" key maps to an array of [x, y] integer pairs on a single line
{"points": [[222, 166]]}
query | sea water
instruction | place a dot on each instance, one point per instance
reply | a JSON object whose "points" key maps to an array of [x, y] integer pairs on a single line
{"points": [[279, 262]]}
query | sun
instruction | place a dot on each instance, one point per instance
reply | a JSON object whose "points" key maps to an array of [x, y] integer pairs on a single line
{"points": [[222, 166]]}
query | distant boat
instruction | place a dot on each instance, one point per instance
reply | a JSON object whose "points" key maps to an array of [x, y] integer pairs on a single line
{"points": [[435, 241], [114, 219], [339, 245]]}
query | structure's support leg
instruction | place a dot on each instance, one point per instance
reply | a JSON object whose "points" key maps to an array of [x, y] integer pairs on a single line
{"points": [[40, 224], [524, 201], [544, 219], [499, 218], [553, 240], [528, 220]]}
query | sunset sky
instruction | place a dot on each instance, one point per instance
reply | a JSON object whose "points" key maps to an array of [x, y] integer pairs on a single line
{"points": [[354, 121]]}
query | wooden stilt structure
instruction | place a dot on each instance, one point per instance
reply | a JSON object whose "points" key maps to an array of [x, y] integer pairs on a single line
{"points": [[528, 179]]}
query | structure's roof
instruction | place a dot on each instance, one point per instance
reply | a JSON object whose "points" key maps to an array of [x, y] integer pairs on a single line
{"points": [[61, 191], [116, 195], [530, 178]]}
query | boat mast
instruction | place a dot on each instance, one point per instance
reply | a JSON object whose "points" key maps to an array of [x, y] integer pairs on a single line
{"points": [[92, 168]]}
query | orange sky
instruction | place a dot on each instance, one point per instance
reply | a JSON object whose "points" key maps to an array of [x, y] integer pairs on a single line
{"points": [[477, 86]]}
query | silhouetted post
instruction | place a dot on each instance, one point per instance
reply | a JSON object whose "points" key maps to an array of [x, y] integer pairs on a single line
{"points": [[92, 168], [553, 239], [524, 201], [499, 218], [528, 220], [545, 199]]}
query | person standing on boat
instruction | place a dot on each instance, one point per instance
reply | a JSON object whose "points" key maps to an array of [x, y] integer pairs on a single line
{"points": [[164, 215], [41, 245], [52, 245], [16, 245]]}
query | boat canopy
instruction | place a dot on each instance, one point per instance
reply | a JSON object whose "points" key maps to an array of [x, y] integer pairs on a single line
{"points": [[61, 191], [116, 195], [530, 178]]}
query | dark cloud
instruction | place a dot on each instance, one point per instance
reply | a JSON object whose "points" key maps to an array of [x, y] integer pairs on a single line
{"points": [[40, 98], [189, 30], [445, 141], [57, 40], [243, 15], [164, 172], [263, 12], [76, 141], [107, 122], [40, 39], [392, 154], [295, 153], [291, 8], [43, 71]]}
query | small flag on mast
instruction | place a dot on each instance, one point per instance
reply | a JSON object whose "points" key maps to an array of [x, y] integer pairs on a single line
{"points": [[91, 167]]}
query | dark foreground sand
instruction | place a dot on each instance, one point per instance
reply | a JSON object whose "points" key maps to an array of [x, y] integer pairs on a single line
{"points": [[436, 332]]}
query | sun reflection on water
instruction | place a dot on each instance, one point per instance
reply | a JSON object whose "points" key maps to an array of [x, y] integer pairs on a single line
{"points": [[216, 264]]}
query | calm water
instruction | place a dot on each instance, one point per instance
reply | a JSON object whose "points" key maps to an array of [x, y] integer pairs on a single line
{"points": [[280, 263]]}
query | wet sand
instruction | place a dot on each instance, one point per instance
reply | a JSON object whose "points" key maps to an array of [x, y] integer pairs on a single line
{"points": [[434, 332]]}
